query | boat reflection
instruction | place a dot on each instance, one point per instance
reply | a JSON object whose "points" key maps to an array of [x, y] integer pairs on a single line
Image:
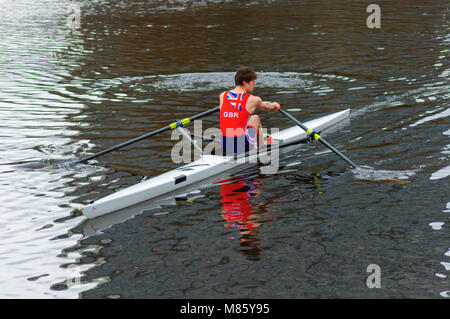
{"points": [[97, 225], [238, 210]]}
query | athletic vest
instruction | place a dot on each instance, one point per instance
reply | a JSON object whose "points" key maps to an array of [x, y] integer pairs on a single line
{"points": [[233, 114]]}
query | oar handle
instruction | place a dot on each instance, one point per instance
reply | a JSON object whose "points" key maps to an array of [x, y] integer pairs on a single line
{"points": [[320, 139], [150, 134]]}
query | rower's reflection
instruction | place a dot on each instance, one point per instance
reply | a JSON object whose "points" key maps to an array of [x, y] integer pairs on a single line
{"points": [[237, 210], [239, 213]]}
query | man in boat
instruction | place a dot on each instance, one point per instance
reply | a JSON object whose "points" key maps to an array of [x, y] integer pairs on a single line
{"points": [[241, 131]]}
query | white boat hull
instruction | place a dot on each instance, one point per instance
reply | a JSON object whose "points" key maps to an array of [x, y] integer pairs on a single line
{"points": [[203, 168]]}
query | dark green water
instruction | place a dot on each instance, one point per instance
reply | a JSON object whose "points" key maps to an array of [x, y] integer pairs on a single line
{"points": [[310, 231]]}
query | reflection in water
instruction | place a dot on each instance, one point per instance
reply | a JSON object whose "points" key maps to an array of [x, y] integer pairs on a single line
{"points": [[242, 215], [236, 208], [97, 225], [237, 211]]}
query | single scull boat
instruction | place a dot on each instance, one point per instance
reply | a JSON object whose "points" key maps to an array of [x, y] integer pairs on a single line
{"points": [[206, 166]]}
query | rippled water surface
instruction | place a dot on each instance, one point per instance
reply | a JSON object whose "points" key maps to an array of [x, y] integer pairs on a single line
{"points": [[309, 231]]}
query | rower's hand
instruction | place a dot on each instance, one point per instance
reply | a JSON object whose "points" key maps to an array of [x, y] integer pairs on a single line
{"points": [[276, 106]]}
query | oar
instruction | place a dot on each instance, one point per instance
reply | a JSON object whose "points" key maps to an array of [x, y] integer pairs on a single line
{"points": [[317, 137], [171, 126]]}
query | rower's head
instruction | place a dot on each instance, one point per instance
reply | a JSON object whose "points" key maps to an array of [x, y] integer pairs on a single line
{"points": [[246, 78]]}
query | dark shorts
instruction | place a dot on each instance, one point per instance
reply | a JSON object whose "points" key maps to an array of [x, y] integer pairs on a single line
{"points": [[239, 144]]}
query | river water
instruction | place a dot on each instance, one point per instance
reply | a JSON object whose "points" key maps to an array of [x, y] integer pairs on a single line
{"points": [[309, 231]]}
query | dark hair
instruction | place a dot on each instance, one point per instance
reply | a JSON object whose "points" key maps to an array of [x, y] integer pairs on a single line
{"points": [[244, 74]]}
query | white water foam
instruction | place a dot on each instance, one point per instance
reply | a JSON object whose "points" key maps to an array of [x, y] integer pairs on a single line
{"points": [[445, 171], [371, 174], [440, 174]]}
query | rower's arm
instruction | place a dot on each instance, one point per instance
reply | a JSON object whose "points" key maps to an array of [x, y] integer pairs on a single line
{"points": [[264, 105]]}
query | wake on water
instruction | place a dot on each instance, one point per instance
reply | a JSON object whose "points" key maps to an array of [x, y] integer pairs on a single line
{"points": [[369, 174]]}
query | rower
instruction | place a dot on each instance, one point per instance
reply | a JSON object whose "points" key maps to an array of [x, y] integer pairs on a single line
{"points": [[241, 131]]}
